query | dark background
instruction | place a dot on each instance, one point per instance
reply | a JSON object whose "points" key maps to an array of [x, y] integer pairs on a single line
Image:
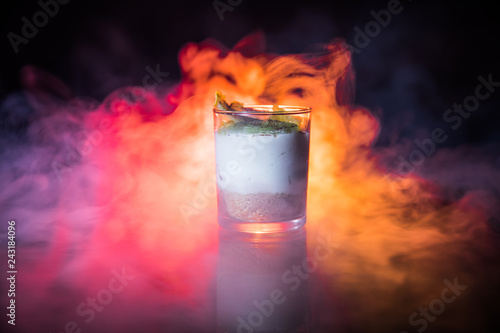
{"points": [[424, 61]]}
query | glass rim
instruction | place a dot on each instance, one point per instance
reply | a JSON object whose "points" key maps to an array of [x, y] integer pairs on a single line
{"points": [[267, 109]]}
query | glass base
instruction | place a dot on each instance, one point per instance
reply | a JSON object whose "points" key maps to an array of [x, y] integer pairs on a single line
{"points": [[261, 227]]}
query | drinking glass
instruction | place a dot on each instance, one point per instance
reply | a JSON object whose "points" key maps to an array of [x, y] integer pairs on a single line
{"points": [[262, 161]]}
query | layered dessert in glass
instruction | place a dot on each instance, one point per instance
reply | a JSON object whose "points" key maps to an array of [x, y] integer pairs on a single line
{"points": [[262, 158]]}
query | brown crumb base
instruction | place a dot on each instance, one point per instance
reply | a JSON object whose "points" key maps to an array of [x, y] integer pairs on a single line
{"points": [[262, 207]]}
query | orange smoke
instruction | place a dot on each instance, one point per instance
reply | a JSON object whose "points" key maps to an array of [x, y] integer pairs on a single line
{"points": [[159, 170]]}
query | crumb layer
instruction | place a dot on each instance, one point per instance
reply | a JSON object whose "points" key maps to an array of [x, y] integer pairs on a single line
{"points": [[261, 207]]}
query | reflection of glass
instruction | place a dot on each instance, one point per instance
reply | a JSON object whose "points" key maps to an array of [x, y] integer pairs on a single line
{"points": [[262, 163], [261, 286]]}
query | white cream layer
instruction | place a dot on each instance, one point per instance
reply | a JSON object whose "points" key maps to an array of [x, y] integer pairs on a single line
{"points": [[262, 163]]}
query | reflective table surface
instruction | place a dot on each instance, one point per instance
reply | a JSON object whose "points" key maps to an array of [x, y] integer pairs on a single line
{"points": [[313, 279]]}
